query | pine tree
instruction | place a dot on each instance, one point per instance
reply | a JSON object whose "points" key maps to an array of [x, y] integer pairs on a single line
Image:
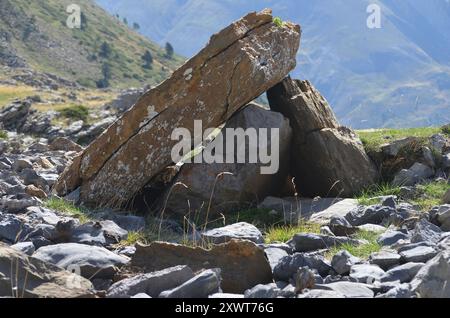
{"points": [[105, 50], [148, 59], [136, 26], [169, 50]]}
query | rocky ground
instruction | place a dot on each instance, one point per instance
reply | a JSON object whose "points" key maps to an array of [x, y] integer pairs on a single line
{"points": [[382, 231]]}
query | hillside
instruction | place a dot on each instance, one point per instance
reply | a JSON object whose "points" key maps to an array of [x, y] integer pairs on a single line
{"points": [[34, 35], [396, 76]]}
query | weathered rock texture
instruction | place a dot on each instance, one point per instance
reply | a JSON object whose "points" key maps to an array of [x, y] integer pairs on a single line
{"points": [[240, 63], [246, 184], [243, 264], [32, 278], [327, 159]]}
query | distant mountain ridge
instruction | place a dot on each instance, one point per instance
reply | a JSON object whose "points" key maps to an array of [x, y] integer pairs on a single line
{"points": [[34, 35], [396, 76]]}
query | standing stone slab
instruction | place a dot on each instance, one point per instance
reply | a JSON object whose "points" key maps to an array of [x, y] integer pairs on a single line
{"points": [[327, 159], [240, 63]]}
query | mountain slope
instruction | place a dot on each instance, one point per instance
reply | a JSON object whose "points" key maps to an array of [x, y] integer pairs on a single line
{"points": [[34, 34], [396, 76]]}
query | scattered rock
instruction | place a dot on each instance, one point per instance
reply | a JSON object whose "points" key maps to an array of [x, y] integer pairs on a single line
{"points": [[327, 158], [420, 254], [35, 192], [25, 247], [243, 264], [92, 261], [238, 231], [375, 214], [385, 259], [391, 237], [367, 274], [312, 242], [64, 144], [343, 261], [201, 286], [33, 278], [432, 280], [418, 172], [274, 255], [151, 284], [348, 290], [341, 227], [426, 232], [289, 265], [263, 292], [403, 273], [401, 292]]}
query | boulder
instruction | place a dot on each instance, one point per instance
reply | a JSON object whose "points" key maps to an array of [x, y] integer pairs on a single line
{"points": [[432, 280], [312, 242], [343, 261], [240, 63], [367, 274], [274, 255], [409, 177], [201, 286], [92, 261], [33, 278], [238, 231], [243, 264], [403, 273], [420, 254], [426, 232], [385, 259], [443, 216], [64, 144], [151, 284], [348, 290], [14, 116], [327, 159], [393, 149], [375, 214], [289, 265], [391, 237], [246, 183], [13, 228]]}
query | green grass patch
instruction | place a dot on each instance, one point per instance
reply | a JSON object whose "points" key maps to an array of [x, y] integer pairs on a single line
{"points": [[369, 196], [278, 22], [362, 251], [68, 208], [75, 112], [374, 139], [3, 134], [431, 194], [282, 234]]}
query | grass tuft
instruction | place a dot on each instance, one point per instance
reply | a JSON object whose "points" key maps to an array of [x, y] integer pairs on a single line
{"points": [[369, 196], [432, 194], [362, 251], [278, 22], [68, 208], [282, 234], [75, 112]]}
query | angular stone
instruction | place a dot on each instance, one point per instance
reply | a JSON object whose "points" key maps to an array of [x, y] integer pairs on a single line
{"points": [[327, 159], [92, 261], [392, 149], [443, 216], [343, 261], [33, 278], [420, 254], [375, 214], [12, 228], [151, 284], [367, 274], [391, 237], [238, 231], [288, 266], [24, 247], [385, 259], [274, 255], [409, 177], [64, 144], [240, 63], [243, 264], [348, 290], [432, 281], [341, 227], [244, 182], [312, 242], [402, 291], [403, 273], [426, 232], [201, 286], [263, 292]]}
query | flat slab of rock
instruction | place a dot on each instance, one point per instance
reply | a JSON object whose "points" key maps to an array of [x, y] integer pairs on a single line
{"points": [[201, 286], [34, 278], [151, 284], [240, 63], [403, 273], [327, 159], [243, 264], [420, 254], [303, 243], [385, 259], [367, 274], [238, 231], [432, 280], [92, 261], [348, 290]]}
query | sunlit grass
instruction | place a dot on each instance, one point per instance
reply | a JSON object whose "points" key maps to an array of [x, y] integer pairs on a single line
{"points": [[10, 93], [282, 234], [362, 251], [68, 208], [369, 196]]}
